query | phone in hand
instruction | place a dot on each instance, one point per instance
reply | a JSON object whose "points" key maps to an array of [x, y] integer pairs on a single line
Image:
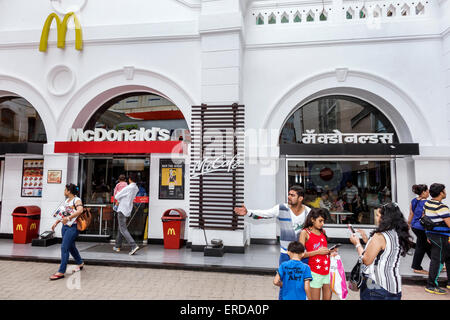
{"points": [[351, 228], [335, 246]]}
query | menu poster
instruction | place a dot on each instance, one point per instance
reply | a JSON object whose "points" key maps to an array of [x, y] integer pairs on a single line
{"points": [[32, 177], [171, 179]]}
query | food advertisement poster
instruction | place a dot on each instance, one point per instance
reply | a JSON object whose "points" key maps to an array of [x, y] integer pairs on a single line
{"points": [[32, 177], [171, 179], [54, 176]]}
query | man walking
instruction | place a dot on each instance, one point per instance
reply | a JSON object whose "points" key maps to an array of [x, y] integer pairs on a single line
{"points": [[125, 197], [438, 237], [291, 217]]}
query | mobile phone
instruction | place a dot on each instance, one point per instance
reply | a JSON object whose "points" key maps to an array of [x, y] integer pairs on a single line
{"points": [[351, 228], [335, 246]]}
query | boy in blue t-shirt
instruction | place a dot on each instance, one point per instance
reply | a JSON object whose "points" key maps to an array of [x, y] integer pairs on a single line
{"points": [[293, 276]]}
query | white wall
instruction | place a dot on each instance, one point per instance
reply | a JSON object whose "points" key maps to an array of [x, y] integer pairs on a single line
{"points": [[196, 52], [12, 190], [158, 206]]}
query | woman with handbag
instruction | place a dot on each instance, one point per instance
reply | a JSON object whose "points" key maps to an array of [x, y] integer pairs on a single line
{"points": [[415, 213], [72, 209], [380, 259]]}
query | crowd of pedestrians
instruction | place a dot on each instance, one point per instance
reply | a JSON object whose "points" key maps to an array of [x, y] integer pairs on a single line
{"points": [[304, 271], [304, 263]]}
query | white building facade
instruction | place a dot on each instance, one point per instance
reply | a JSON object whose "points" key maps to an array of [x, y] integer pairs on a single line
{"points": [[361, 65]]}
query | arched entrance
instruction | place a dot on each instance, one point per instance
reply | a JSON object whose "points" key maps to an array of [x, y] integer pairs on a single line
{"points": [[342, 150], [130, 118], [22, 136]]}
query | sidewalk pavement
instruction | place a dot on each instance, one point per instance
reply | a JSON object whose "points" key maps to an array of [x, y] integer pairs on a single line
{"points": [[257, 259], [29, 280]]}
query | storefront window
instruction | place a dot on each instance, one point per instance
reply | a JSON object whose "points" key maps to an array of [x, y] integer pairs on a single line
{"points": [[19, 122], [350, 190], [346, 114], [135, 111]]}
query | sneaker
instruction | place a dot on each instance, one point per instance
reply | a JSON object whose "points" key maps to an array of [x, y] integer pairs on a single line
{"points": [[435, 290], [133, 251], [116, 249]]}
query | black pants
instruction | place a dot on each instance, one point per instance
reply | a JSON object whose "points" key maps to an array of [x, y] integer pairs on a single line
{"points": [[422, 247], [440, 254]]}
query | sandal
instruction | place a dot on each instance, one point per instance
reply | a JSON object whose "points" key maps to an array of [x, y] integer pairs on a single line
{"points": [[78, 268], [56, 276], [425, 272]]}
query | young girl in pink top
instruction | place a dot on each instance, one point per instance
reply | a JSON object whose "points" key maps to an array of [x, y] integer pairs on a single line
{"points": [[122, 184]]}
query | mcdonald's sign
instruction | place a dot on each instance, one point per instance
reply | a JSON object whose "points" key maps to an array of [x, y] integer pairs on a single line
{"points": [[171, 232], [19, 227], [61, 28], [33, 226]]}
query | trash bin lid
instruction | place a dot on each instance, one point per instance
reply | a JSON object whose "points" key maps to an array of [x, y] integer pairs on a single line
{"points": [[26, 211], [174, 214]]}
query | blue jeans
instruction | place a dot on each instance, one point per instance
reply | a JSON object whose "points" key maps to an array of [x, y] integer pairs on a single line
{"points": [[69, 234], [376, 292]]}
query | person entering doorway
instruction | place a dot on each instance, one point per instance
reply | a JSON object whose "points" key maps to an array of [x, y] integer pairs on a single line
{"points": [[125, 198]]}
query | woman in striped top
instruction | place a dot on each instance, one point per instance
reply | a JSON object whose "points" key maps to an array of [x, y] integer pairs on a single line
{"points": [[381, 257]]}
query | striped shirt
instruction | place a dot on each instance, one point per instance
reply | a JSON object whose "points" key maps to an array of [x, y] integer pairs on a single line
{"points": [[384, 270], [290, 224], [437, 211]]}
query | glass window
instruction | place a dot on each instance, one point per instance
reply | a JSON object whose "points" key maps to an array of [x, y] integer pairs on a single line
{"points": [[346, 114], [134, 111], [19, 121], [350, 190]]}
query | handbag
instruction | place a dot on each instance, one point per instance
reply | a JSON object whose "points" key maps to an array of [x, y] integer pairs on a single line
{"points": [[427, 223], [84, 219], [356, 276]]}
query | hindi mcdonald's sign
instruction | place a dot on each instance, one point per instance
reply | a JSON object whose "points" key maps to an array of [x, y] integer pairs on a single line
{"points": [[61, 28]]}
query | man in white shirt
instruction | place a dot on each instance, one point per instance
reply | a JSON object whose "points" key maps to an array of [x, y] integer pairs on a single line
{"points": [[125, 197], [291, 217]]}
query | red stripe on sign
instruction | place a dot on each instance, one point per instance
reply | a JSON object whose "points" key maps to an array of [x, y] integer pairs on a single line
{"points": [[120, 147], [157, 115]]}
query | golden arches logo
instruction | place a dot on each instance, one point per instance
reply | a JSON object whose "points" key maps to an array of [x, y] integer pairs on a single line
{"points": [[61, 28], [19, 227], [171, 232], [33, 226]]}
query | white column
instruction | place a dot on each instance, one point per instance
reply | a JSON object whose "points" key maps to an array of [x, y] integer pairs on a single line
{"points": [[53, 194], [220, 25], [220, 28]]}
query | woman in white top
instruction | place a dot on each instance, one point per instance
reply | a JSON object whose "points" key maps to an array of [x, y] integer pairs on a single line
{"points": [[381, 256], [72, 209]]}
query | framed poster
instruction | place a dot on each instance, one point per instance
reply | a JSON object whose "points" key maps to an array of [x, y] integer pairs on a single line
{"points": [[32, 177], [171, 179], [54, 176]]}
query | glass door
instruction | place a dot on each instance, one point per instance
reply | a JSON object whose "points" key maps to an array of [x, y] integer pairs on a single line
{"points": [[98, 178]]}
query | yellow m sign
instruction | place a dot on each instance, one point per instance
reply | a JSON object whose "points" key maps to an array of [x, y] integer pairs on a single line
{"points": [[61, 28], [171, 232], [19, 227], [33, 226]]}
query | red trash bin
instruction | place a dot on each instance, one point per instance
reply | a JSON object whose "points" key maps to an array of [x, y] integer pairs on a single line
{"points": [[173, 228], [26, 223]]}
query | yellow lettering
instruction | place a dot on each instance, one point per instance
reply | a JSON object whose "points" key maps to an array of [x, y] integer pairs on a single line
{"points": [[61, 29], [171, 231], [19, 227], [33, 226]]}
